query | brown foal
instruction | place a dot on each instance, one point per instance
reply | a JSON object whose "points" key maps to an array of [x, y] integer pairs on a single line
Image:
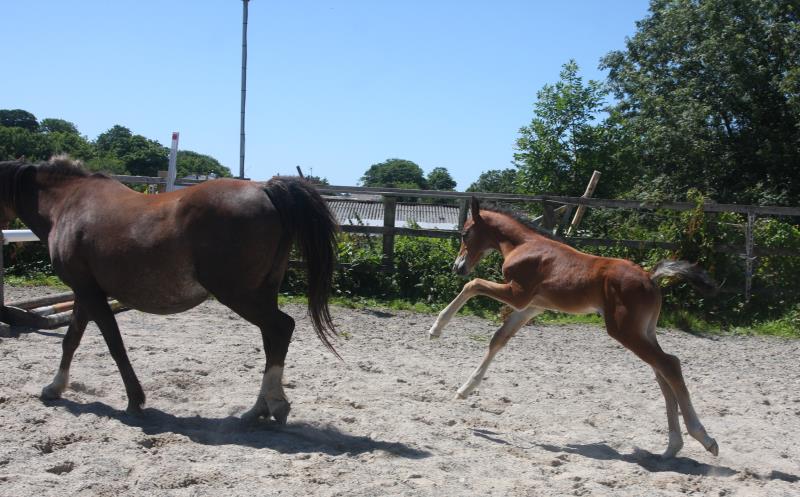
{"points": [[543, 274], [167, 253]]}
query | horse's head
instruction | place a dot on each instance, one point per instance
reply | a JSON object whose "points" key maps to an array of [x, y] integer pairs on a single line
{"points": [[9, 176], [476, 241]]}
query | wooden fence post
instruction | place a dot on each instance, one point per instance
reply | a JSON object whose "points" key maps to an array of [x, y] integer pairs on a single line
{"points": [[582, 208], [749, 262], [2, 276], [5, 329], [549, 218], [389, 210], [463, 210]]}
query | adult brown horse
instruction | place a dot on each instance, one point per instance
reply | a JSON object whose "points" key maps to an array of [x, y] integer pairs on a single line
{"points": [[541, 274], [167, 253]]}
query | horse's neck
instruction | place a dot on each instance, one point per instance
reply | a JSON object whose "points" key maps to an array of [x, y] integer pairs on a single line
{"points": [[36, 205]]}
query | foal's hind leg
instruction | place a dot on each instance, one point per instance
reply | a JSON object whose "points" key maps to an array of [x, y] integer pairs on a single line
{"points": [[675, 437], [629, 332], [72, 339], [512, 324]]}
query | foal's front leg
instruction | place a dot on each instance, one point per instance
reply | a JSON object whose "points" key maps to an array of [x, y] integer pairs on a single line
{"points": [[510, 327], [511, 294]]}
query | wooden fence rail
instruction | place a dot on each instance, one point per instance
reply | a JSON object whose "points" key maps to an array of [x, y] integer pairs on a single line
{"points": [[556, 208]]}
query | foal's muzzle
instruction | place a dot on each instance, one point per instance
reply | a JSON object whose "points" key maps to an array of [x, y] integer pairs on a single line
{"points": [[460, 266]]}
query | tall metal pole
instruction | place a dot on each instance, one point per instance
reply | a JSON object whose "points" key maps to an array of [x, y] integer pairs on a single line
{"points": [[244, 86]]}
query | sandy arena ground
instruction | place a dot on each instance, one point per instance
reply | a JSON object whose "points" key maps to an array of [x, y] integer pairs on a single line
{"points": [[564, 410]]}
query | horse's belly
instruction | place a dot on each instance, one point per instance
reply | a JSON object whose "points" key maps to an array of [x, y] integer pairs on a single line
{"points": [[167, 296]]}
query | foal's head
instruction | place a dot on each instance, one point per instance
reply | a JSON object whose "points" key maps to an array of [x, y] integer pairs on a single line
{"points": [[476, 241]]}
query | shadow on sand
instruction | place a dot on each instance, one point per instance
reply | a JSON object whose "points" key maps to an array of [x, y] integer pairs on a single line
{"points": [[655, 463], [647, 460], [292, 438]]}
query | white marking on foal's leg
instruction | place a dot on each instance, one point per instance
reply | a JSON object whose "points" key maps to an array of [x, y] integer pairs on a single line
{"points": [[56, 388], [448, 312]]}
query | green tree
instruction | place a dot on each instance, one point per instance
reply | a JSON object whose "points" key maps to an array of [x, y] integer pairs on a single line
{"points": [[711, 91], [140, 156], [189, 162], [439, 179], [16, 142], [52, 125], [18, 118], [395, 173], [495, 181], [561, 147]]}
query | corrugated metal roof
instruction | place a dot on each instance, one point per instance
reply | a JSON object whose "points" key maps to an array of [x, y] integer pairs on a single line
{"points": [[371, 213]]}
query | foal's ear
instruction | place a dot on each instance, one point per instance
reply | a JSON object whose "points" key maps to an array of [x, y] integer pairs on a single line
{"points": [[476, 210]]}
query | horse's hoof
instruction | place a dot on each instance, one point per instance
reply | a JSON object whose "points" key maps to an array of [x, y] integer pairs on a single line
{"points": [[459, 396], [50, 393], [280, 410], [713, 447], [135, 409]]}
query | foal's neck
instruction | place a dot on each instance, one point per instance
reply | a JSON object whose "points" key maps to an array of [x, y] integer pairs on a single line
{"points": [[510, 233]]}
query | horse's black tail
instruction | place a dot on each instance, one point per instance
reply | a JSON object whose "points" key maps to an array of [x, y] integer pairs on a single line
{"points": [[685, 270], [306, 217]]}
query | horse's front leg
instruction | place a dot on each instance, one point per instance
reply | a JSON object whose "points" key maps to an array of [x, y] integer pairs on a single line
{"points": [[100, 312], [271, 398], [72, 339]]}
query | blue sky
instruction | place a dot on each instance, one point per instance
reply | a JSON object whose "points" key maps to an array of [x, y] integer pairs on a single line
{"points": [[333, 86]]}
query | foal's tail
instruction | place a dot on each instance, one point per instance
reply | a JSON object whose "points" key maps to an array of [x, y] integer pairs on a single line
{"points": [[685, 270], [309, 222]]}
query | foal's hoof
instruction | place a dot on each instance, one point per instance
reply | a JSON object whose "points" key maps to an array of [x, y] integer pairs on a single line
{"points": [[50, 393], [459, 396], [713, 447]]}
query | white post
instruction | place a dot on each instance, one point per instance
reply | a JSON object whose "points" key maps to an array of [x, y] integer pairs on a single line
{"points": [[172, 171], [244, 87]]}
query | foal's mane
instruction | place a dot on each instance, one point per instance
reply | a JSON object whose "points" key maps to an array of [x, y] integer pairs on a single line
{"points": [[521, 219]]}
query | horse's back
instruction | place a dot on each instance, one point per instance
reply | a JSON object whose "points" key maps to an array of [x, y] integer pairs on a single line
{"points": [[160, 253]]}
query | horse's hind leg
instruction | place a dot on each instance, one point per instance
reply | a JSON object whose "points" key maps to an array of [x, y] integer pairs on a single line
{"points": [[72, 339], [261, 309], [511, 325], [271, 397]]}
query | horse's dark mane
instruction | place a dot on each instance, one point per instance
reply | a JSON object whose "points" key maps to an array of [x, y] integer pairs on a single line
{"points": [[62, 166], [10, 173], [516, 216]]}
